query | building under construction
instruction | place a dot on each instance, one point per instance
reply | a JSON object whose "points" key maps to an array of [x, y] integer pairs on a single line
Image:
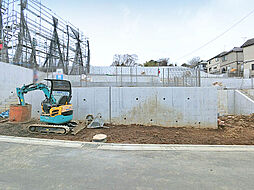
{"points": [[33, 36]]}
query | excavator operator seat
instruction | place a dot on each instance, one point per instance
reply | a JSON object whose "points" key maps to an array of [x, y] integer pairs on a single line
{"points": [[46, 105], [63, 100]]}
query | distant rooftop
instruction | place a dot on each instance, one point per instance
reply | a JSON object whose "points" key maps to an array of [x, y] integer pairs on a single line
{"points": [[235, 49], [248, 43], [219, 55]]}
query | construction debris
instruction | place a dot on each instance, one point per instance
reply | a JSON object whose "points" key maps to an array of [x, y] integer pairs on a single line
{"points": [[217, 84], [4, 114]]}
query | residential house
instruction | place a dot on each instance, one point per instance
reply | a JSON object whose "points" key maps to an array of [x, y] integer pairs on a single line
{"points": [[230, 62], [202, 65], [213, 66], [248, 52]]}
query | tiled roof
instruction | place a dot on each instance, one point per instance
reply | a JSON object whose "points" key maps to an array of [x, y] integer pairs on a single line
{"points": [[219, 55], [248, 43], [235, 49]]}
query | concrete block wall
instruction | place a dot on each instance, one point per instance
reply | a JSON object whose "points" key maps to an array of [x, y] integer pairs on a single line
{"points": [[169, 107]]}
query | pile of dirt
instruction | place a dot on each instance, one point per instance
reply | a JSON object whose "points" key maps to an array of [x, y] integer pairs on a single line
{"points": [[232, 130], [236, 121]]}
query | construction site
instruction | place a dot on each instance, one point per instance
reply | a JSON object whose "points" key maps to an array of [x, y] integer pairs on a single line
{"points": [[34, 37], [50, 90]]}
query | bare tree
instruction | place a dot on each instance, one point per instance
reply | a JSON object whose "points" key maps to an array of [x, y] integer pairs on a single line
{"points": [[126, 60], [194, 62], [164, 62], [116, 60]]}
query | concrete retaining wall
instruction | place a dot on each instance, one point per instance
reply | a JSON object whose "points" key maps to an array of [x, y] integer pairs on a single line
{"points": [[243, 104], [96, 100], [168, 71], [12, 76], [250, 92], [100, 80], [102, 70], [226, 99], [231, 83], [147, 105], [108, 80], [169, 107], [236, 102]]}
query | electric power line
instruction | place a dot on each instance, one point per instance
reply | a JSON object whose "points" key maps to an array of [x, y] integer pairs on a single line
{"points": [[217, 37]]}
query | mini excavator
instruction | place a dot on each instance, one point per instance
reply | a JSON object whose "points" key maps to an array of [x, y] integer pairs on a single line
{"points": [[57, 111]]}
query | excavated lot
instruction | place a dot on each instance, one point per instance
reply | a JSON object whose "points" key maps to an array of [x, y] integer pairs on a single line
{"points": [[233, 130]]}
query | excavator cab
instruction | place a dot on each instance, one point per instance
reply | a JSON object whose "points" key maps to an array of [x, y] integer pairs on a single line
{"points": [[60, 90]]}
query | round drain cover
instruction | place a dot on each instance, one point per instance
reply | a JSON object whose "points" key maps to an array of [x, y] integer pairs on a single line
{"points": [[100, 138]]}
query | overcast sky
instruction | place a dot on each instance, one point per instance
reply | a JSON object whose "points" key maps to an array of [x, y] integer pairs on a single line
{"points": [[155, 29]]}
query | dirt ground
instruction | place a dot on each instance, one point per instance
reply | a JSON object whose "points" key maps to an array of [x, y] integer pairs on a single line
{"points": [[233, 130]]}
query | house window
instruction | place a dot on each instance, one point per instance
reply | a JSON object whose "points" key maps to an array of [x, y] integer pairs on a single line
{"points": [[217, 59], [224, 58], [252, 67], [215, 68]]}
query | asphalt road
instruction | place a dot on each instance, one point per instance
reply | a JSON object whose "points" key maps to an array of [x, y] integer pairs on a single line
{"points": [[34, 167]]}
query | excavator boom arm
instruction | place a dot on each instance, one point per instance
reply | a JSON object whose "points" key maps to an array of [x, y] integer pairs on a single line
{"points": [[31, 87]]}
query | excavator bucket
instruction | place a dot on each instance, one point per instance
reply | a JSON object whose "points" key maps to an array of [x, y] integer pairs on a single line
{"points": [[97, 123]]}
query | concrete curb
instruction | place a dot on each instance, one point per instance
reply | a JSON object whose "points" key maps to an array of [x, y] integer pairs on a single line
{"points": [[35, 141], [127, 147], [177, 147]]}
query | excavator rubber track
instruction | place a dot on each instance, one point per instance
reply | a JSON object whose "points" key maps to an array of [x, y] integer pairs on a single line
{"points": [[49, 129]]}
